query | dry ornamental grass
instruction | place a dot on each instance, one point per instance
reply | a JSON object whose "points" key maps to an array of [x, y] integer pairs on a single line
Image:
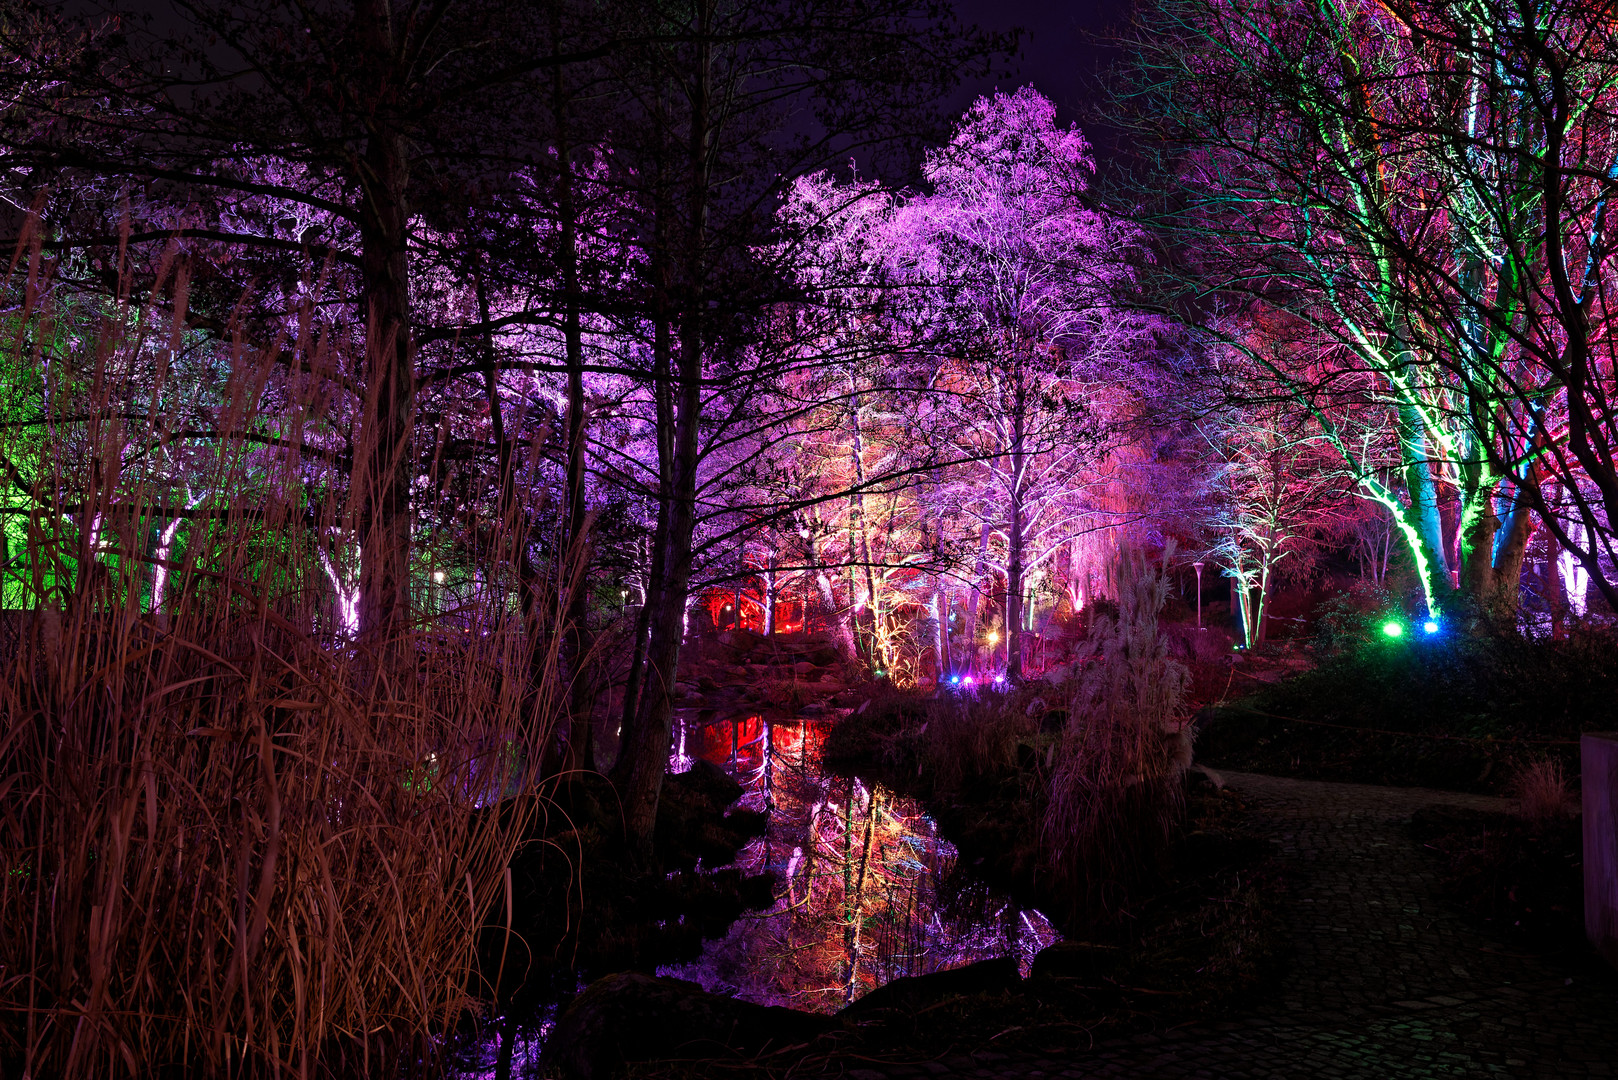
{"points": [[235, 843]]}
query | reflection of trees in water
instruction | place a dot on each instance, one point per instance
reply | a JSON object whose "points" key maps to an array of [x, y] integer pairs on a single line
{"points": [[866, 891]]}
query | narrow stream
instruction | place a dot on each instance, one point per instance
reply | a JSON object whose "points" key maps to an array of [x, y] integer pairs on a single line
{"points": [[868, 891]]}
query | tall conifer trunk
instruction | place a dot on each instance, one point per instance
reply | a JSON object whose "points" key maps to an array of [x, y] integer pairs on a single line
{"points": [[578, 742], [643, 756], [386, 470]]}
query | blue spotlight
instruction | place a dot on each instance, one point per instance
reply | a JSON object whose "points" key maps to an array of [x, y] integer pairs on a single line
{"points": [[1431, 626]]}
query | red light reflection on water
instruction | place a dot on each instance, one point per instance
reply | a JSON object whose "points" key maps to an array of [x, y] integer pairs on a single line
{"points": [[866, 889]]}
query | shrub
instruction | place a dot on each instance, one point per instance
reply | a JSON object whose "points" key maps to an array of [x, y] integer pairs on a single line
{"points": [[1349, 619], [971, 735]]}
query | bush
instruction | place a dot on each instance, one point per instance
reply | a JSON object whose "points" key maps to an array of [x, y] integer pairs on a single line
{"points": [[1458, 710], [969, 736], [1351, 619]]}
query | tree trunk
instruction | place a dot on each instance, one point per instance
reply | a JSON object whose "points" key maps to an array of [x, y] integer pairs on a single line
{"points": [[1014, 539], [1261, 610], [1479, 526], [860, 543], [643, 754], [643, 757], [828, 596], [770, 589], [1551, 582], [577, 743], [977, 595], [662, 351], [511, 534], [630, 712], [1511, 548], [1425, 518], [1014, 576], [386, 469], [1240, 602], [854, 906]]}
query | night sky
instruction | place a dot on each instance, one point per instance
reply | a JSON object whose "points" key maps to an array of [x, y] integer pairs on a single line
{"points": [[1056, 55]]}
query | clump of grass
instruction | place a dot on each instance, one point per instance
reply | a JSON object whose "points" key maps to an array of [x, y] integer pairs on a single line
{"points": [[1522, 878], [967, 736], [234, 842], [785, 694], [1116, 785], [1542, 791]]}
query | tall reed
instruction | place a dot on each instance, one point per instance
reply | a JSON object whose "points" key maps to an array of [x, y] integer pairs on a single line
{"points": [[1116, 783], [232, 843]]}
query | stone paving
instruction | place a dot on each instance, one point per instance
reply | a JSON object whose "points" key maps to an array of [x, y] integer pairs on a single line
{"points": [[1384, 980]]}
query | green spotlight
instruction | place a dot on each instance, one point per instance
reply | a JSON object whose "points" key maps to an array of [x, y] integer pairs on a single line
{"points": [[1393, 629]]}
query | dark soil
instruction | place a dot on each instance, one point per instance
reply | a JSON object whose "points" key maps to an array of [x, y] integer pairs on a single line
{"points": [[1521, 879]]}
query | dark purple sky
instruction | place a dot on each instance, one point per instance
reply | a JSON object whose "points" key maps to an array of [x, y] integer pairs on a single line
{"points": [[1056, 57]]}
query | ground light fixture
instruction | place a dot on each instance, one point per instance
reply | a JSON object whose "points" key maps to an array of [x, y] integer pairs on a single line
{"points": [[1430, 626], [1393, 629]]}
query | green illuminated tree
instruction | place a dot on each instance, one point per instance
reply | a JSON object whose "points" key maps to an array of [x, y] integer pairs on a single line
{"points": [[1422, 187]]}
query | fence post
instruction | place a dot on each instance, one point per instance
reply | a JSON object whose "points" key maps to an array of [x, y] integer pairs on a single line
{"points": [[1598, 753]]}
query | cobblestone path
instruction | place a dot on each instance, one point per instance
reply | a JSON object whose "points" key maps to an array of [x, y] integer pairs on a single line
{"points": [[1384, 981]]}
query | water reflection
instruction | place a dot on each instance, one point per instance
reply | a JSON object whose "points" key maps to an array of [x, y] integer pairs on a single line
{"points": [[867, 890]]}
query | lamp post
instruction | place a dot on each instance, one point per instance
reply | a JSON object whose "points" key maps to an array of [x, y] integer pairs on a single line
{"points": [[1198, 566]]}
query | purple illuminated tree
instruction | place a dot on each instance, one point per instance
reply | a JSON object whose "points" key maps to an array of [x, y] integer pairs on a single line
{"points": [[1018, 279]]}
